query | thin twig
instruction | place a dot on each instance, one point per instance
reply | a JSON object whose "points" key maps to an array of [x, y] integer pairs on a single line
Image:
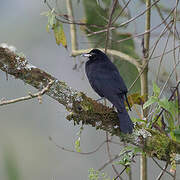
{"points": [[169, 78], [109, 154], [128, 21], [149, 58], [113, 159], [73, 151], [165, 53], [109, 162], [162, 168], [162, 172], [69, 21], [30, 96], [162, 18], [114, 20], [109, 23], [162, 56], [121, 172]]}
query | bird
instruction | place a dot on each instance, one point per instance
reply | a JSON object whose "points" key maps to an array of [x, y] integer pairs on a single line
{"points": [[107, 82]]}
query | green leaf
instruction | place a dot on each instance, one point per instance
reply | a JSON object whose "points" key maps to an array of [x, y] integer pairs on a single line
{"points": [[77, 142], [137, 149], [77, 145], [156, 89], [51, 19], [150, 101], [59, 34], [169, 106], [138, 120], [48, 28], [128, 169], [97, 175]]}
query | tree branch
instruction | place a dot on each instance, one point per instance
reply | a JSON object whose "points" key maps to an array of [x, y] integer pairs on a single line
{"points": [[30, 96], [112, 52], [83, 109]]}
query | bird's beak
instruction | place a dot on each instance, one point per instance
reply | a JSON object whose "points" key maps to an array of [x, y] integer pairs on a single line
{"points": [[86, 55]]}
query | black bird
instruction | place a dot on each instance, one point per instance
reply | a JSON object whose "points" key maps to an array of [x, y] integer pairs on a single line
{"points": [[106, 81]]}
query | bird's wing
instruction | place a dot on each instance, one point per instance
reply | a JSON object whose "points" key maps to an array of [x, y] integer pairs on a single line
{"points": [[113, 74], [118, 79], [108, 83]]}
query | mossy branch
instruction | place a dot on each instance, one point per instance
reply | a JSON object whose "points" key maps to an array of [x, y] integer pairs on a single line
{"points": [[85, 110]]}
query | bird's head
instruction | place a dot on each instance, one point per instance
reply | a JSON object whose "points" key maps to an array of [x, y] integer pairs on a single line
{"points": [[94, 54]]}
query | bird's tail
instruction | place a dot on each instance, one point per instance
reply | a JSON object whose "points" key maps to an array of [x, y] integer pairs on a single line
{"points": [[126, 125]]}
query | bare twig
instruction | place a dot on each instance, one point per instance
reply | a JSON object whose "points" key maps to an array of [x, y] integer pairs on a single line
{"points": [[173, 70], [109, 154], [162, 18], [162, 56], [109, 23], [30, 96], [145, 63], [69, 21], [128, 21], [73, 151], [165, 53], [120, 173], [113, 159], [147, 31], [162, 172], [162, 168], [109, 162], [114, 20]]}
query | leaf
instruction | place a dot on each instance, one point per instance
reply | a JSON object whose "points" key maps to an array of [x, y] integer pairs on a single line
{"points": [[51, 19], [47, 28], [59, 34], [138, 120], [150, 101], [128, 169], [169, 106], [77, 145], [156, 89]]}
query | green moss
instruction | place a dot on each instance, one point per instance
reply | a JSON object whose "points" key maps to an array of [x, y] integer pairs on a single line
{"points": [[158, 145]]}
